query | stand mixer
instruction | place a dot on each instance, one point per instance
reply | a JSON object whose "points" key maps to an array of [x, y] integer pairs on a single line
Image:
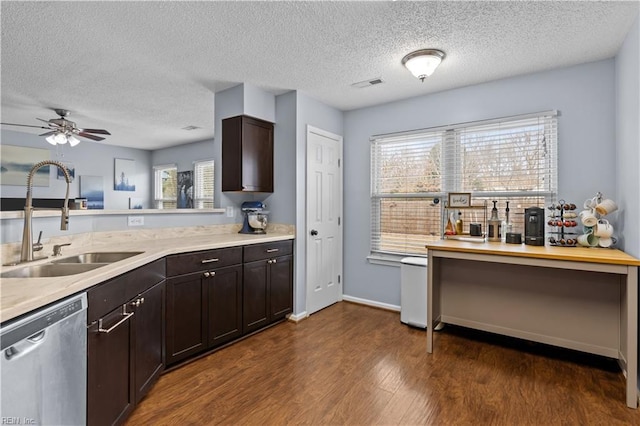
{"points": [[255, 218]]}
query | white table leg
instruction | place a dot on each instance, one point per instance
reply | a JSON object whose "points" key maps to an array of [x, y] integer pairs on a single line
{"points": [[631, 292]]}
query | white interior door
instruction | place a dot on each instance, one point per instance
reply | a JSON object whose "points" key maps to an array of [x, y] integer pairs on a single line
{"points": [[324, 211]]}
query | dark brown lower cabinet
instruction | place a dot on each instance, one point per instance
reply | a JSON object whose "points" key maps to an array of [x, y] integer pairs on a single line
{"points": [[225, 305], [204, 301], [186, 316], [110, 393], [124, 355], [267, 284], [280, 288], [149, 339], [255, 304]]}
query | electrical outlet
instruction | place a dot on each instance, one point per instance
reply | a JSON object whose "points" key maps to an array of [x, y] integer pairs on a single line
{"points": [[230, 212], [135, 220]]}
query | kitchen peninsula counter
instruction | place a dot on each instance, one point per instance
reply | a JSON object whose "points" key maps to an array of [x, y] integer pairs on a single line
{"points": [[584, 299], [22, 295]]}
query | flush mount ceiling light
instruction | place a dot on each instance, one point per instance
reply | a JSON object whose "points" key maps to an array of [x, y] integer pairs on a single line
{"points": [[422, 63]]}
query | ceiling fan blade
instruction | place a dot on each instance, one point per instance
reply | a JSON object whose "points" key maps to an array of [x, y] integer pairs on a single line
{"points": [[48, 133], [90, 136], [46, 121], [99, 131], [25, 125]]}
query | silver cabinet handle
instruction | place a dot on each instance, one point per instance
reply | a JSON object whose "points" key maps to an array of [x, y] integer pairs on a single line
{"points": [[209, 274], [206, 274], [139, 301], [210, 260], [274, 261], [272, 250], [125, 316]]}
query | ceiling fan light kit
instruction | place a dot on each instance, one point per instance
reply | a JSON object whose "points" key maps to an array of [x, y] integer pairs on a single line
{"points": [[422, 63], [62, 130], [62, 138]]}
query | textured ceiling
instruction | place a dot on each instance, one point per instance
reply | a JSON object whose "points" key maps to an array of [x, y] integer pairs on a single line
{"points": [[144, 70]]}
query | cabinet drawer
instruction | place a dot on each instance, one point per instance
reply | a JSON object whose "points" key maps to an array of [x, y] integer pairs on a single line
{"points": [[267, 250], [107, 296], [203, 260]]}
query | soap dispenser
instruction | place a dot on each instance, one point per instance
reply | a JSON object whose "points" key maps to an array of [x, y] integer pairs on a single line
{"points": [[494, 224], [505, 227]]}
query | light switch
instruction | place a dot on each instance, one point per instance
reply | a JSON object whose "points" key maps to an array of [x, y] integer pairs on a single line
{"points": [[230, 212]]}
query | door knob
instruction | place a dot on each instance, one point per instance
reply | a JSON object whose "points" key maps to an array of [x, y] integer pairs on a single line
{"points": [[314, 232]]}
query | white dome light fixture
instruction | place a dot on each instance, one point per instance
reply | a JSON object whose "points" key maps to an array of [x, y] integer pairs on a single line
{"points": [[422, 63], [61, 138]]}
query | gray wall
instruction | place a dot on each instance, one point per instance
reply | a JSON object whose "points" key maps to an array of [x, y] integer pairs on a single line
{"points": [[281, 204], [585, 97], [97, 159], [185, 155], [313, 113], [628, 139], [89, 158]]}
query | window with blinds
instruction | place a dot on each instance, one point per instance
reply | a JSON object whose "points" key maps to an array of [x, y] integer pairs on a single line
{"points": [[508, 159], [165, 186], [203, 197]]}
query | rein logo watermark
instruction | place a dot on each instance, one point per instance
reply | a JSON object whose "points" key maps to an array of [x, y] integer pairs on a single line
{"points": [[17, 421]]}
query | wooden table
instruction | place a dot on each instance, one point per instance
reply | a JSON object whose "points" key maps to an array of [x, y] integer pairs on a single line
{"points": [[579, 298]]}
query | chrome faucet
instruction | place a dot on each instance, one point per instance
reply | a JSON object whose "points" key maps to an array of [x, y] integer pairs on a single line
{"points": [[26, 254], [57, 249]]}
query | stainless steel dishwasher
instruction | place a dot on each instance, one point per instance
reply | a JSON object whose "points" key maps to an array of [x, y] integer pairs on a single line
{"points": [[44, 365]]}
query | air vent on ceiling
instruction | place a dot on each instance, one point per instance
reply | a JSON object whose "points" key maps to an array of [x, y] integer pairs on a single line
{"points": [[367, 83], [191, 128]]}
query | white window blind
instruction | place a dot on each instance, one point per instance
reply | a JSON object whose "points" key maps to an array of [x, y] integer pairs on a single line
{"points": [[204, 175], [165, 186], [509, 159]]}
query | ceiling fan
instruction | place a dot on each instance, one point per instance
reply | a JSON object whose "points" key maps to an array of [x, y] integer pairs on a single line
{"points": [[62, 130]]}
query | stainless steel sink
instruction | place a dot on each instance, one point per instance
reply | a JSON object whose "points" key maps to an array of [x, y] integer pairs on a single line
{"points": [[51, 270], [98, 257]]}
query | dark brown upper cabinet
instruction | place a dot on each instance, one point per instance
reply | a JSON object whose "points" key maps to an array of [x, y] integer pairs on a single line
{"points": [[247, 154]]}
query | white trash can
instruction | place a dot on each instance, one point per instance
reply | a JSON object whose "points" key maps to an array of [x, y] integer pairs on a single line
{"points": [[413, 291]]}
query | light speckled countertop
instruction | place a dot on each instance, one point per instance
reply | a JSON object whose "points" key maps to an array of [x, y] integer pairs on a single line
{"points": [[21, 295]]}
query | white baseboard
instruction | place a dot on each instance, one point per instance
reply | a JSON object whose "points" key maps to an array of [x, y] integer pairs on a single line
{"points": [[298, 317], [373, 303]]}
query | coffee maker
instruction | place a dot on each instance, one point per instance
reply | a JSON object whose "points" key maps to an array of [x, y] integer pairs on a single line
{"points": [[534, 226], [255, 218]]}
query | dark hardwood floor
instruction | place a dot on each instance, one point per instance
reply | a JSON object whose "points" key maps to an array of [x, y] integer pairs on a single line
{"points": [[352, 364]]}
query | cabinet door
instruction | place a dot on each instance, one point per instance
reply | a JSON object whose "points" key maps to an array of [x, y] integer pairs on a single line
{"points": [[149, 338], [247, 154], [225, 304], [110, 392], [257, 155], [186, 317], [255, 310], [280, 287]]}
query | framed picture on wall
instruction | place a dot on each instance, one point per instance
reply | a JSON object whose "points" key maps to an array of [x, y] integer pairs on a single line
{"points": [[135, 203], [17, 161], [70, 168], [124, 177], [459, 199], [92, 188], [185, 190]]}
